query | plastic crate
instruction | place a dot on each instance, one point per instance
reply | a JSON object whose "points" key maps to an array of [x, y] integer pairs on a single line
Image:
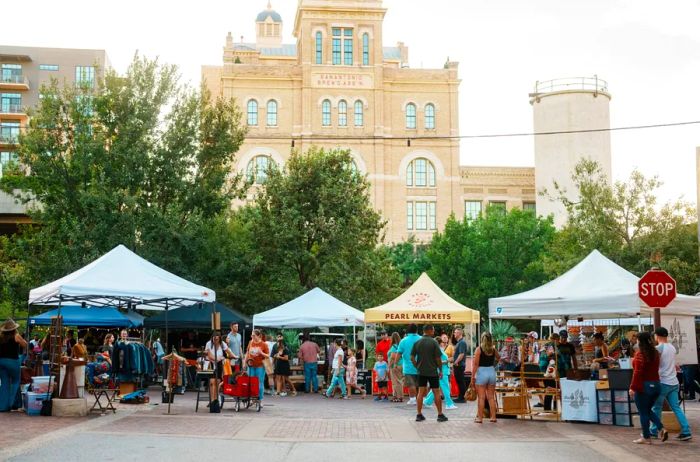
{"points": [[604, 395], [621, 396], [623, 420], [622, 408], [605, 407]]}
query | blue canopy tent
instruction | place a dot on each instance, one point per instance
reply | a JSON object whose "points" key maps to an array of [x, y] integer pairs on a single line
{"points": [[78, 316]]}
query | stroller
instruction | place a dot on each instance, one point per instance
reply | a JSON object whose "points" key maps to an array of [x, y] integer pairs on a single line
{"points": [[243, 389]]}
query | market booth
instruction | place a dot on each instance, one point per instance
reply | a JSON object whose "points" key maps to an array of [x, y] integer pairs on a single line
{"points": [[425, 303], [315, 308], [118, 278], [595, 293]]}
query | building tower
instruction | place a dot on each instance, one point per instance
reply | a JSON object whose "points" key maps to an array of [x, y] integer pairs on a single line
{"points": [[268, 27], [564, 105]]}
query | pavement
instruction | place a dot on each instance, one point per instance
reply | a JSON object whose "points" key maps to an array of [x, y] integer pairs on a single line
{"points": [[310, 428]]}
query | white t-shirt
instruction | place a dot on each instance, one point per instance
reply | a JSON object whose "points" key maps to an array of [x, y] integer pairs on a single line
{"points": [[667, 364], [220, 352], [338, 358]]}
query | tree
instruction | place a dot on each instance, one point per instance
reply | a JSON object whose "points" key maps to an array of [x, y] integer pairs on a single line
{"points": [[410, 259], [625, 222], [313, 220], [138, 160], [491, 256]]}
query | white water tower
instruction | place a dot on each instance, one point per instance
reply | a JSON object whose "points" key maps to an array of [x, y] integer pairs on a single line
{"points": [[566, 105]]}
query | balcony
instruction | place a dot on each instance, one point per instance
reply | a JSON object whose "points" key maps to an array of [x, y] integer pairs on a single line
{"points": [[9, 136], [11, 109], [14, 82]]}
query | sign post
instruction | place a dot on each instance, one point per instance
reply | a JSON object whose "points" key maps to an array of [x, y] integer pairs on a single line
{"points": [[657, 289]]}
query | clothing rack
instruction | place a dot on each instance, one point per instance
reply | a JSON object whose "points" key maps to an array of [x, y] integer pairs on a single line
{"points": [[168, 357]]}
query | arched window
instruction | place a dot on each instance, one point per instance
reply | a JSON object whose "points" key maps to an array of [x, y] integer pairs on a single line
{"points": [[420, 173], [429, 116], [359, 114], [365, 49], [272, 113], [252, 112], [410, 115], [258, 168], [342, 113], [326, 113], [319, 47]]}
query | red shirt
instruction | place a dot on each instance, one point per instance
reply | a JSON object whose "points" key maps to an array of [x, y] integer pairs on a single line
{"points": [[383, 347], [644, 371]]}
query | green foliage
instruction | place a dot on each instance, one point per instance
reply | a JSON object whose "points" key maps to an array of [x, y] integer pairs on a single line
{"points": [[410, 259], [314, 226], [625, 222], [500, 329], [494, 255], [139, 160]]}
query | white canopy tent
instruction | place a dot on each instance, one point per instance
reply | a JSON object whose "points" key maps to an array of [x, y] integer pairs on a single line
{"points": [[122, 278], [315, 308], [595, 288]]}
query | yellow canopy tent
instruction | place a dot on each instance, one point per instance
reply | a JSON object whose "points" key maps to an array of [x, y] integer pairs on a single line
{"points": [[422, 303]]}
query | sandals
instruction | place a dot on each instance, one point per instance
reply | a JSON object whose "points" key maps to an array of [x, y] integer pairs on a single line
{"points": [[478, 420], [493, 420]]}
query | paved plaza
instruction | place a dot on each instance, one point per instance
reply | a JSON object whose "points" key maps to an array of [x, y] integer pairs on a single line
{"points": [[310, 428]]}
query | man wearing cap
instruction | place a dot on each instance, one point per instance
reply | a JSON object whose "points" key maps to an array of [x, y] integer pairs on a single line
{"points": [[567, 354], [669, 384]]}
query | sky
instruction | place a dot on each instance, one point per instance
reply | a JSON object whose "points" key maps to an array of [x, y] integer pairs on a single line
{"points": [[648, 51]]}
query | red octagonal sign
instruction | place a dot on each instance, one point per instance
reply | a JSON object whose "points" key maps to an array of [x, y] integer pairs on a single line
{"points": [[657, 289]]}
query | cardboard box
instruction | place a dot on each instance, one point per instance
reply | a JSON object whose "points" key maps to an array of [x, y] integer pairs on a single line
{"points": [[667, 418], [514, 404], [603, 374], [602, 385]]}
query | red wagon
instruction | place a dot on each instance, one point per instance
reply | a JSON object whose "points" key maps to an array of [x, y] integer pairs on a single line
{"points": [[244, 391]]}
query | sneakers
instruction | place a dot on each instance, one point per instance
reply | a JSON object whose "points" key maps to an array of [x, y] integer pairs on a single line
{"points": [[420, 417], [684, 437], [642, 441], [377, 398], [385, 399], [411, 402], [663, 435], [283, 394], [451, 407], [442, 418], [346, 397]]}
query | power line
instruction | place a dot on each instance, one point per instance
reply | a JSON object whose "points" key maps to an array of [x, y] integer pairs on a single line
{"points": [[317, 137]]}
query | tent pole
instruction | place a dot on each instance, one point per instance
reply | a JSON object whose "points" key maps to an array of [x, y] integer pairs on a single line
{"points": [[639, 322], [166, 327], [364, 335], [490, 326]]}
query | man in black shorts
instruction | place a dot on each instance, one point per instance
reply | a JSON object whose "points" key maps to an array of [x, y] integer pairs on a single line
{"points": [[427, 358]]}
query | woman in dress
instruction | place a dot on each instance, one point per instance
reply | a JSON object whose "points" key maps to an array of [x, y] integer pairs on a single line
{"points": [[351, 375], [484, 376], [646, 387], [280, 354], [108, 345], [11, 345]]}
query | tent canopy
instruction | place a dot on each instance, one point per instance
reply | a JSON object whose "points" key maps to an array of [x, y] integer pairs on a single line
{"points": [[197, 316], [423, 302], [120, 277], [595, 288], [315, 308], [78, 316]]}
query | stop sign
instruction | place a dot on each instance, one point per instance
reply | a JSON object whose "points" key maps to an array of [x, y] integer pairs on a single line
{"points": [[657, 289]]}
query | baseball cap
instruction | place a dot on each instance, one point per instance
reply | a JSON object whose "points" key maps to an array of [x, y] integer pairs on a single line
{"points": [[661, 332], [563, 333], [533, 334]]}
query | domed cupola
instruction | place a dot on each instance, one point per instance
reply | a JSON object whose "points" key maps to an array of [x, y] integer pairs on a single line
{"points": [[269, 27]]}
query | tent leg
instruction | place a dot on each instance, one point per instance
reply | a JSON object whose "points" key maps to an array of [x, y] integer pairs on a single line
{"points": [[639, 322], [166, 327], [364, 343], [354, 337], [490, 326]]}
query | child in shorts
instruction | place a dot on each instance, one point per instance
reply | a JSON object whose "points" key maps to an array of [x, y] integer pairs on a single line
{"points": [[381, 369]]}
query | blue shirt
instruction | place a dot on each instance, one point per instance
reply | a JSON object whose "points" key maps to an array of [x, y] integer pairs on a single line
{"points": [[381, 370], [405, 347]]}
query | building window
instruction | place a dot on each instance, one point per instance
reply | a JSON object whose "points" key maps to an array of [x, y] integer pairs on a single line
{"points": [[365, 49], [410, 115], [272, 113], [347, 47], [11, 103], [319, 47], [343, 113], [258, 168], [252, 112], [359, 114], [429, 116], [342, 46], [8, 156], [498, 207], [9, 131], [336, 46], [530, 207], [85, 76], [326, 113], [11, 73], [472, 210], [421, 215], [420, 173], [48, 67]]}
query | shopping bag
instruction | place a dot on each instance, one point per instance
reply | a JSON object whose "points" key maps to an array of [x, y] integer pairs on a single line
{"points": [[227, 367], [471, 394]]}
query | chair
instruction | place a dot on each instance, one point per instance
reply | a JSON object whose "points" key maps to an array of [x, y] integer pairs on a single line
{"points": [[108, 394]]}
